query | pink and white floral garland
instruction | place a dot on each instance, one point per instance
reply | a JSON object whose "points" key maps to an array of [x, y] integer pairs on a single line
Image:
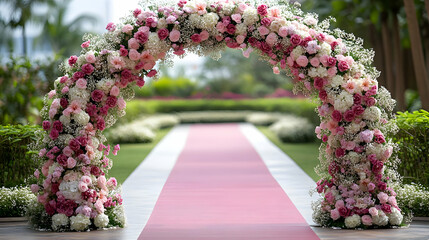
{"points": [[93, 92]]}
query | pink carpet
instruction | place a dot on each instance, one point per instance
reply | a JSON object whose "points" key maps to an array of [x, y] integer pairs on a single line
{"points": [[221, 189]]}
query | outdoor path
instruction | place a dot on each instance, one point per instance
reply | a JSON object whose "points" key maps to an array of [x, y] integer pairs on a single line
{"points": [[163, 196]]}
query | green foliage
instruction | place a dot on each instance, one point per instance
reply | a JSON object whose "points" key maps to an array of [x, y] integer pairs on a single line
{"points": [[300, 107], [14, 201], [16, 164], [22, 85], [413, 140], [168, 87]]}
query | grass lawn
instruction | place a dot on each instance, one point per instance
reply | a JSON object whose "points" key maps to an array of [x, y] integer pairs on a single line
{"points": [[131, 155], [304, 154]]}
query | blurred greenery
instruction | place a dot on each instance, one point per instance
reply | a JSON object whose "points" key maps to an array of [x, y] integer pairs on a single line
{"points": [[301, 107], [16, 164], [22, 85], [413, 141]]}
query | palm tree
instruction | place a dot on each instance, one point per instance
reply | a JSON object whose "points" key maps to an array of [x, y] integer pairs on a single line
{"points": [[63, 37], [21, 13]]}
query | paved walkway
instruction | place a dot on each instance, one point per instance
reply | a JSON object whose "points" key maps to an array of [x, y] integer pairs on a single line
{"points": [[143, 188]]}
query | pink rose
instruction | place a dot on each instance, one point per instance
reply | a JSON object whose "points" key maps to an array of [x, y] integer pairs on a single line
{"points": [[383, 197], [133, 43], [174, 35], [236, 18], [83, 187], [349, 115], [127, 29], [116, 149], [283, 32], [337, 116], [121, 103], [367, 220], [81, 83], [46, 126], [263, 30], [97, 95], [339, 204], [335, 214], [141, 37], [339, 152], [90, 58], [262, 10], [366, 135], [276, 70], [204, 35], [99, 206], [54, 134], [65, 90], [240, 39], [85, 44], [302, 61], [314, 62], [34, 188], [71, 162], [295, 39], [271, 39], [152, 73], [114, 91], [101, 182], [266, 22], [112, 182], [196, 38], [163, 33], [343, 66], [52, 93], [72, 60], [111, 27], [86, 179], [88, 68], [37, 173], [67, 151], [134, 55]]}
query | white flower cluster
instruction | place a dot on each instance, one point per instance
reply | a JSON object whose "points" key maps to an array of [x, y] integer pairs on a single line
{"points": [[79, 222]]}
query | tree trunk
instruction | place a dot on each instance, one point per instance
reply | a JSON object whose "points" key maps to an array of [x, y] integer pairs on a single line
{"points": [[387, 50], [24, 41], [378, 59], [399, 65], [427, 7], [417, 51]]}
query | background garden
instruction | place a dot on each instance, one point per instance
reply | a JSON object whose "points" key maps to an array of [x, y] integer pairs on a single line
{"points": [[233, 89]]}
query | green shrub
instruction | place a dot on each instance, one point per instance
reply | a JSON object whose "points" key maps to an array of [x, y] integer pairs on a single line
{"points": [[294, 129], [300, 107], [213, 116], [14, 201], [413, 141], [15, 159]]}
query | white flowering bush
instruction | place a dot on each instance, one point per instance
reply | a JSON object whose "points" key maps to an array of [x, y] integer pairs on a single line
{"points": [[293, 129], [14, 201], [356, 170], [413, 199], [263, 118], [133, 132]]}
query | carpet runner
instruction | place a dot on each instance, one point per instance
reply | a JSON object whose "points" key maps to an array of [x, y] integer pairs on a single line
{"points": [[221, 189]]}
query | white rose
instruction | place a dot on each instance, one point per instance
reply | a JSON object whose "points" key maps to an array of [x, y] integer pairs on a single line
{"points": [[395, 217], [337, 81], [79, 222], [209, 21], [372, 113], [101, 220], [81, 118], [343, 102], [352, 221], [250, 16], [59, 220], [381, 219]]}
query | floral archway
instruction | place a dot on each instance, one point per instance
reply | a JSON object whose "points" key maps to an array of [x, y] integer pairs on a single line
{"points": [[74, 192]]}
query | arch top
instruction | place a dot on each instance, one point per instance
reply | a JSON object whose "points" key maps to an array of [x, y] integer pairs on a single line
{"points": [[329, 64]]}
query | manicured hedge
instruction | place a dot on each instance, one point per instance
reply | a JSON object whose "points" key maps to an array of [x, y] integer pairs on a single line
{"points": [[15, 161], [301, 107], [413, 141]]}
